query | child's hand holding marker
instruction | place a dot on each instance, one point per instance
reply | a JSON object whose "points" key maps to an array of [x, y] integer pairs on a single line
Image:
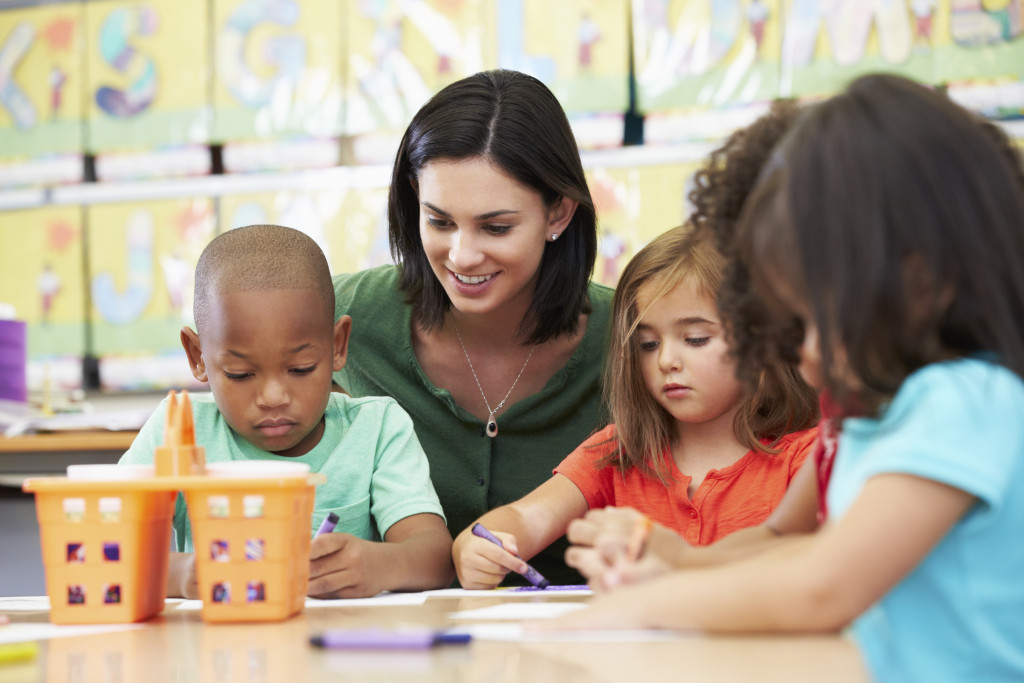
{"points": [[613, 547], [488, 557]]}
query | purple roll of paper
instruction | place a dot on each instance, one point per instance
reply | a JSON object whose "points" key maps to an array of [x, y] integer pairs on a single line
{"points": [[13, 358]]}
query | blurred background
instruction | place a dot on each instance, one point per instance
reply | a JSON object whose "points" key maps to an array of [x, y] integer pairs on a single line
{"points": [[132, 132]]}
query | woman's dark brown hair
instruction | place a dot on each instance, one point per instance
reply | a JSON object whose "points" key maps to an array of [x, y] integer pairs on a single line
{"points": [[513, 121]]}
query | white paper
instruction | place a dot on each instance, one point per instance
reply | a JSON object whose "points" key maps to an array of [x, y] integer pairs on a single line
{"points": [[519, 592], [384, 599], [26, 603], [516, 633], [20, 632], [519, 611]]}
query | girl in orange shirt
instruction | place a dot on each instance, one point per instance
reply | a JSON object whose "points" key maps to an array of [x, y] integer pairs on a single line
{"points": [[690, 446]]}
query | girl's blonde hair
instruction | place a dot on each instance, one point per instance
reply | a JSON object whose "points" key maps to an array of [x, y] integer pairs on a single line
{"points": [[780, 402]]}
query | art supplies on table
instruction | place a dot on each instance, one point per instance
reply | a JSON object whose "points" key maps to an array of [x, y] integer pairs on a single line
{"points": [[105, 533]]}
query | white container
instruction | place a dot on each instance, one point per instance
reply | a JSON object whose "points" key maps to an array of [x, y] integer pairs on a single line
{"points": [[110, 472], [257, 469]]}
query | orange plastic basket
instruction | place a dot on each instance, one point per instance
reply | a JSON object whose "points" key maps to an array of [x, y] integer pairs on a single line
{"points": [[105, 547], [251, 541], [106, 542]]}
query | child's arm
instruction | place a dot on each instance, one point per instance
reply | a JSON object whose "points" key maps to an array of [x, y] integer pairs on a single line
{"points": [[818, 582], [415, 555], [524, 527], [181, 576], [601, 537]]}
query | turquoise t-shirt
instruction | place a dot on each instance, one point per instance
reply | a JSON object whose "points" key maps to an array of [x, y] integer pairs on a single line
{"points": [[959, 615], [376, 471], [472, 472]]}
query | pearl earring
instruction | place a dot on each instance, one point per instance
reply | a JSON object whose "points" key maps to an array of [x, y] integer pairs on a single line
{"points": [[554, 236]]}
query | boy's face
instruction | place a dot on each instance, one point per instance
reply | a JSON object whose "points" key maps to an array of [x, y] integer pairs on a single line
{"points": [[269, 356]]}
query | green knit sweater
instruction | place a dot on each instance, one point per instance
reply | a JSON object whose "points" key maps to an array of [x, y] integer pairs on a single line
{"points": [[471, 472]]}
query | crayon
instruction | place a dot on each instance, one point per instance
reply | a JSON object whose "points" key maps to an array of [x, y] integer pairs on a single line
{"points": [[327, 526], [531, 574], [383, 639]]}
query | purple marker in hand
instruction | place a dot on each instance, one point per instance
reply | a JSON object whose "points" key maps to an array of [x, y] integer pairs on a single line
{"points": [[531, 574], [327, 526]]}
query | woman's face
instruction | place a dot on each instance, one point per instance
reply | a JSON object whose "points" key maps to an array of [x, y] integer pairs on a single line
{"points": [[484, 233]]}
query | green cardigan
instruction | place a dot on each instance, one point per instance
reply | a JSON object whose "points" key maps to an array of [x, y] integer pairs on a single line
{"points": [[471, 472]]}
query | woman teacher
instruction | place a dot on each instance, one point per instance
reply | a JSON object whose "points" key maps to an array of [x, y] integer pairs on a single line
{"points": [[489, 332]]}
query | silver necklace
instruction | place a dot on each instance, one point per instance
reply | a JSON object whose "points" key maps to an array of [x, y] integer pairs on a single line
{"points": [[492, 425]]}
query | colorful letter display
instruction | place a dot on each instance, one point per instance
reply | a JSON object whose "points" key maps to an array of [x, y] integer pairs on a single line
{"points": [[142, 259], [349, 225], [148, 64], [400, 52], [579, 48], [720, 52], [634, 205], [41, 276], [277, 68], [41, 81]]}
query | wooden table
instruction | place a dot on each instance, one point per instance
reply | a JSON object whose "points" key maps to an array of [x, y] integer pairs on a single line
{"points": [[179, 646], [35, 454]]}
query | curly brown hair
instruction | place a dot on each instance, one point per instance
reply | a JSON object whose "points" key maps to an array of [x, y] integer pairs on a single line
{"points": [[720, 189]]}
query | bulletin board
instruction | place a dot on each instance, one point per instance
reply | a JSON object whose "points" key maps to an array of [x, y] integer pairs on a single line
{"points": [[277, 68], [148, 73], [711, 53], [142, 259], [635, 205], [344, 223], [43, 80], [578, 48], [400, 52], [41, 276]]}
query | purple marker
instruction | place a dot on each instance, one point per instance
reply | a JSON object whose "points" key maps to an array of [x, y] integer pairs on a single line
{"points": [[327, 526], [381, 639], [531, 574]]}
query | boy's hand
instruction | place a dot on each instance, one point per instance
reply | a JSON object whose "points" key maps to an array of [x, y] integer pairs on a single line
{"points": [[480, 564], [344, 566]]}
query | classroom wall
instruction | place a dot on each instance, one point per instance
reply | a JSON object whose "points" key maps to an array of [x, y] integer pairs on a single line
{"points": [[132, 132]]}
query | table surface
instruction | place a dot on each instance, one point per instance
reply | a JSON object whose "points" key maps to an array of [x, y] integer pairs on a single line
{"points": [[179, 646], [58, 442]]}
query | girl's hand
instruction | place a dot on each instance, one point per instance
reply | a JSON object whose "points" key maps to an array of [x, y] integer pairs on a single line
{"points": [[603, 576], [615, 533], [480, 564], [344, 566]]}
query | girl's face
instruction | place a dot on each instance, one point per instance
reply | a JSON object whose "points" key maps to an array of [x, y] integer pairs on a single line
{"points": [[684, 357], [484, 233]]}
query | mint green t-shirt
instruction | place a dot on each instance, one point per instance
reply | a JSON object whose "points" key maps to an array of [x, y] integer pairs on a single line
{"points": [[472, 472], [376, 471]]}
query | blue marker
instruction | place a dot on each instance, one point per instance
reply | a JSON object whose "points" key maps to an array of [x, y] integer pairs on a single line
{"points": [[531, 574], [327, 526]]}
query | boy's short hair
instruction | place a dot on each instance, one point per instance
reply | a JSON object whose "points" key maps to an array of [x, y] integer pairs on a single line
{"points": [[261, 257]]}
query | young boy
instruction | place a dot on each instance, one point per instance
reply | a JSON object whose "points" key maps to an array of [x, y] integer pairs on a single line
{"points": [[267, 343]]}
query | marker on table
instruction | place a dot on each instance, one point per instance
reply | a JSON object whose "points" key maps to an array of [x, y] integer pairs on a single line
{"points": [[327, 526], [531, 574], [383, 639]]}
